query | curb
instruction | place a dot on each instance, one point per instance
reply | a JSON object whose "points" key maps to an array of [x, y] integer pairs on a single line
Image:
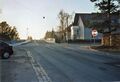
{"points": [[20, 43], [103, 52]]}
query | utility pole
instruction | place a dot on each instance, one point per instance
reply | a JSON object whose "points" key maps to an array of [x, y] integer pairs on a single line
{"points": [[27, 33]]}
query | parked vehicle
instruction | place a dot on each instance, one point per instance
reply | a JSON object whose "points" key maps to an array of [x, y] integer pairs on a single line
{"points": [[5, 50]]}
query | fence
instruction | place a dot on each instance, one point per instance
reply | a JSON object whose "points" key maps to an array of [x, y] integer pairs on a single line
{"points": [[111, 40]]}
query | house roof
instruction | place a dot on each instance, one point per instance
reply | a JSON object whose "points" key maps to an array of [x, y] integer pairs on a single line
{"points": [[92, 16], [77, 15]]}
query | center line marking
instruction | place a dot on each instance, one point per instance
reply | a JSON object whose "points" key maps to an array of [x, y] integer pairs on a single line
{"points": [[40, 72]]}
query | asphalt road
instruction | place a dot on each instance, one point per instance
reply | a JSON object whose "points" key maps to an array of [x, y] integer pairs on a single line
{"points": [[70, 63], [73, 63], [18, 68]]}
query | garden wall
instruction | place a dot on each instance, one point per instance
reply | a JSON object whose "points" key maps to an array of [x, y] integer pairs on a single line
{"points": [[111, 40]]}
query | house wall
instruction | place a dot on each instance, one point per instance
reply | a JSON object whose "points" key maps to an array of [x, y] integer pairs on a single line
{"points": [[88, 34], [85, 32], [75, 32], [81, 28]]}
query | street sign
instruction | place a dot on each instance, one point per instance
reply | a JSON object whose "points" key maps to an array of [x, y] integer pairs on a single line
{"points": [[94, 33]]}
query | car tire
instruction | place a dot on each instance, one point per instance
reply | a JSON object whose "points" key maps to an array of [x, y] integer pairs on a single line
{"points": [[5, 55]]}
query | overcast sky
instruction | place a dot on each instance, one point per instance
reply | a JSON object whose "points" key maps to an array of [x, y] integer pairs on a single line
{"points": [[29, 14]]}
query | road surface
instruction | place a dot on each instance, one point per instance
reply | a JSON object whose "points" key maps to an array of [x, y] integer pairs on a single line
{"points": [[67, 63]]}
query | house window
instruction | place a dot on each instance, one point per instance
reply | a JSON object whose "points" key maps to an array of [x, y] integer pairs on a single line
{"points": [[77, 32], [119, 21]]}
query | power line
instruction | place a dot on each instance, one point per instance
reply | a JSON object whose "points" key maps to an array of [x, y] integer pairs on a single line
{"points": [[22, 5], [26, 8]]}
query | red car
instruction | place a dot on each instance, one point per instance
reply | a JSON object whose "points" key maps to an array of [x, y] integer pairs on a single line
{"points": [[5, 50]]}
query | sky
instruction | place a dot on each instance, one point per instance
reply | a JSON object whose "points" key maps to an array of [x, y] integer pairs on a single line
{"points": [[27, 15]]}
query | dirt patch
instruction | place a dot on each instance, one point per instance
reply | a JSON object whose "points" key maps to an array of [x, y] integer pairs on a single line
{"points": [[107, 48], [116, 64]]}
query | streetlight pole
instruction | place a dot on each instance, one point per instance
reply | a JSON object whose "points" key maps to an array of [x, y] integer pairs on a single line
{"points": [[27, 33]]}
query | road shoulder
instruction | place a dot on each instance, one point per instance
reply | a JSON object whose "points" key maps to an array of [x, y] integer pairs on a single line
{"points": [[18, 68]]}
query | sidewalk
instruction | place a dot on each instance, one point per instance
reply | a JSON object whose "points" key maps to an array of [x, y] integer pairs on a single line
{"points": [[18, 68], [110, 53], [107, 48]]}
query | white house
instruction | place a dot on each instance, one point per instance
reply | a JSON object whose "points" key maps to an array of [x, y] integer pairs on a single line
{"points": [[79, 30]]}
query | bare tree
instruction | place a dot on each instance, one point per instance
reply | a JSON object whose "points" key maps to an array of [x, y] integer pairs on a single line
{"points": [[65, 20]]}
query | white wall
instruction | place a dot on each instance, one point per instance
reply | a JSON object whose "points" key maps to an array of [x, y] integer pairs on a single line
{"points": [[75, 32], [82, 32], [81, 28]]}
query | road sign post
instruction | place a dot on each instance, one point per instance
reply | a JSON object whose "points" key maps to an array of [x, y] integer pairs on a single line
{"points": [[94, 34], [94, 40]]}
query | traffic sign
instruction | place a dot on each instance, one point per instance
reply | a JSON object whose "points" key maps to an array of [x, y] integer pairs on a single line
{"points": [[94, 33]]}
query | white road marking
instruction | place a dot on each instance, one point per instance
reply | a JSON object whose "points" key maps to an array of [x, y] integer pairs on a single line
{"points": [[40, 72], [36, 43]]}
